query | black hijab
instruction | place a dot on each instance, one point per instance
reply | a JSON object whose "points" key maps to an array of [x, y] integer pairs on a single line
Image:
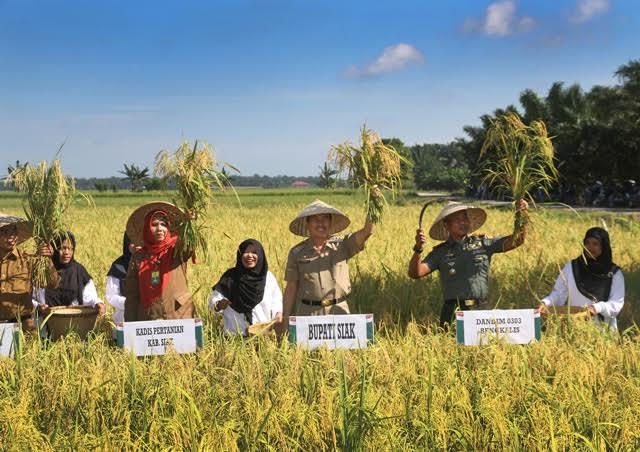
{"points": [[120, 266], [73, 276], [243, 287], [593, 277]]}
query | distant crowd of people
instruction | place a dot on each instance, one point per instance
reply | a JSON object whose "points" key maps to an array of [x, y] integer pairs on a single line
{"points": [[597, 194]]}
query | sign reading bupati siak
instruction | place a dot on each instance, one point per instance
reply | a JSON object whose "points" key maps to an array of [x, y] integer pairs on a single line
{"points": [[331, 331], [9, 339], [515, 326], [157, 337]]}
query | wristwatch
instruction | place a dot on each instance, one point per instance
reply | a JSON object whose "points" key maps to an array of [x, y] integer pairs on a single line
{"points": [[417, 249]]}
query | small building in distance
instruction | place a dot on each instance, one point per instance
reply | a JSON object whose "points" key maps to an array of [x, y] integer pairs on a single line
{"points": [[300, 184]]}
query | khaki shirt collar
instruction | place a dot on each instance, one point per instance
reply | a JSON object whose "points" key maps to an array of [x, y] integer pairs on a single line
{"points": [[329, 244], [14, 254]]}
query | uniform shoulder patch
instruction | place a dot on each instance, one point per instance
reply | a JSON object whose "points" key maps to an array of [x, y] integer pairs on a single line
{"points": [[485, 239], [298, 247], [337, 238]]}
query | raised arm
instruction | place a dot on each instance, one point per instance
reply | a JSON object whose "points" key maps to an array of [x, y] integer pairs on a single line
{"points": [[367, 231], [363, 234], [519, 234], [417, 268]]}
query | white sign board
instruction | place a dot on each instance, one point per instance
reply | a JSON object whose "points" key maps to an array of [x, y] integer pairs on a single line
{"points": [[515, 326], [331, 331], [8, 333], [157, 337]]}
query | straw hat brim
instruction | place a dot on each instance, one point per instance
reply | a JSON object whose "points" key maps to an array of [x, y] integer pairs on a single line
{"points": [[135, 223], [25, 228], [476, 215], [339, 221]]}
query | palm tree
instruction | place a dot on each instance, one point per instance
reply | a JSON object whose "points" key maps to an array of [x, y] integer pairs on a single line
{"points": [[327, 176], [11, 170], [135, 175]]}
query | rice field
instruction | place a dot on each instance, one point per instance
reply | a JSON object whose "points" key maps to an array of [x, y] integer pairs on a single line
{"points": [[414, 389]]}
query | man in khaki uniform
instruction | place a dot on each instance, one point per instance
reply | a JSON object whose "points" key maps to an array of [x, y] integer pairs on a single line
{"points": [[462, 259], [16, 302], [317, 273]]}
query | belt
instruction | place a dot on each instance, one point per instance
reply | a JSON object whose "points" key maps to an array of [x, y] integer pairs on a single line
{"points": [[467, 303], [326, 302]]}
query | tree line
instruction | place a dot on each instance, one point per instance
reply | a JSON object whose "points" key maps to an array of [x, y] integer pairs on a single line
{"points": [[596, 135]]}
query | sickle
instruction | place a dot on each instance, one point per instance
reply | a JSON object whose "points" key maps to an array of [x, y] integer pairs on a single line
{"points": [[427, 204]]}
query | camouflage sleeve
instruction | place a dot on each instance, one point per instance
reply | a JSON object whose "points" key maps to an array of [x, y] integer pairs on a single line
{"points": [[494, 245], [433, 259]]}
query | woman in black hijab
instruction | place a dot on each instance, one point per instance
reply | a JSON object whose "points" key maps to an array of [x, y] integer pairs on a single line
{"points": [[247, 293], [591, 280], [114, 289], [76, 286]]}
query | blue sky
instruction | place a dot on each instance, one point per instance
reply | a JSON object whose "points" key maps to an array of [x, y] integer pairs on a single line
{"points": [[272, 84]]}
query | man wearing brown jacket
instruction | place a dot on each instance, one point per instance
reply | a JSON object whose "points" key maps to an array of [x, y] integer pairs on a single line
{"points": [[16, 266]]}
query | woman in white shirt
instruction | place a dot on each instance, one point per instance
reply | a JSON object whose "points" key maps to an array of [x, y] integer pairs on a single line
{"points": [[591, 280], [247, 293], [114, 290], [76, 285]]}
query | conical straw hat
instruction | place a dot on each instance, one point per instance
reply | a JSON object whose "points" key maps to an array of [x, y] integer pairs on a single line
{"points": [[25, 228], [135, 223], [339, 221], [476, 215]]}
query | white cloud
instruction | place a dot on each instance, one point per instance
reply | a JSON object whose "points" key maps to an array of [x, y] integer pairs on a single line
{"points": [[500, 20], [392, 59], [588, 9]]}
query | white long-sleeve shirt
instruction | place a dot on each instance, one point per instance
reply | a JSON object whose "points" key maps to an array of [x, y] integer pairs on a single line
{"points": [[565, 289], [115, 298], [89, 295], [265, 311]]}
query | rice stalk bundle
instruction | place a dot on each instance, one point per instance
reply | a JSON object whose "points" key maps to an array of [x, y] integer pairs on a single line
{"points": [[194, 169], [372, 167], [48, 194], [522, 160]]}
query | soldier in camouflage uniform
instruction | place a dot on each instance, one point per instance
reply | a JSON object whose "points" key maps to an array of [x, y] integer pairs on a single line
{"points": [[462, 259]]}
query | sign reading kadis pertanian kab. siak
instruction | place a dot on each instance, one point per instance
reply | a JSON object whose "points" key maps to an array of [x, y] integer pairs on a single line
{"points": [[157, 337], [331, 331], [515, 326]]}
